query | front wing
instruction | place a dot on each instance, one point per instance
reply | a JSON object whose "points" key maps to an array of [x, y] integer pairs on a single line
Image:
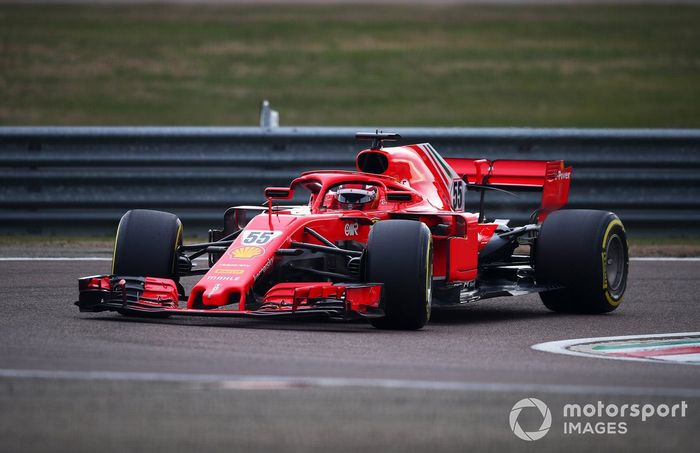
{"points": [[160, 297]]}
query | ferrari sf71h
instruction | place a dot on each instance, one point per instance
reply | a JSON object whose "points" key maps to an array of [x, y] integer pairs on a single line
{"points": [[388, 243]]}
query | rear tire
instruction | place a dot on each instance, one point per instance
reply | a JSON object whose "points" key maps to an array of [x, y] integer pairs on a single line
{"points": [[399, 254], [586, 252], [146, 244]]}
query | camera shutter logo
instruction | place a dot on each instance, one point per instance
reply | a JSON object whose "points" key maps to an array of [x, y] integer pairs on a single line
{"points": [[546, 419]]}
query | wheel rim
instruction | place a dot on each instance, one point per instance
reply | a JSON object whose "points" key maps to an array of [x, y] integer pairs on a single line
{"points": [[614, 263]]}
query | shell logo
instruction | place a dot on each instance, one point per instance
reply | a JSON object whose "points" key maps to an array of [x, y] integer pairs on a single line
{"points": [[247, 252]]}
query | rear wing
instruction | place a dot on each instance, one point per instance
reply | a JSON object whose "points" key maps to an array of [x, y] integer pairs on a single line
{"points": [[549, 176]]}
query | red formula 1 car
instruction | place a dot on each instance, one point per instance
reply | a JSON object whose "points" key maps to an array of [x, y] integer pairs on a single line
{"points": [[388, 243]]}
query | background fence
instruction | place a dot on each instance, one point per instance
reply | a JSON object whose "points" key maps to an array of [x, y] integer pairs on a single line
{"points": [[81, 180]]}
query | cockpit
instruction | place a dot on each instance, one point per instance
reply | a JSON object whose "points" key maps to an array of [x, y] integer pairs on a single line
{"points": [[352, 196]]}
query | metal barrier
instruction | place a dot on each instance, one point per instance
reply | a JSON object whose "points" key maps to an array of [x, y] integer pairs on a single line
{"points": [[81, 180]]}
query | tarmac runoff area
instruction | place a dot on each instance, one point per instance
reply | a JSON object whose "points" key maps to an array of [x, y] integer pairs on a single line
{"points": [[82, 382]]}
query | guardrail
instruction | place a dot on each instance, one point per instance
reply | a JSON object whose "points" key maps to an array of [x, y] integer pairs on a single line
{"points": [[81, 180]]}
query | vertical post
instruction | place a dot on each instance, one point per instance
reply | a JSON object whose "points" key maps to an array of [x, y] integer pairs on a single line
{"points": [[268, 118]]}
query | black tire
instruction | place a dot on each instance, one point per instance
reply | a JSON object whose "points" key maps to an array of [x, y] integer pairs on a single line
{"points": [[586, 252], [146, 244], [399, 254]]}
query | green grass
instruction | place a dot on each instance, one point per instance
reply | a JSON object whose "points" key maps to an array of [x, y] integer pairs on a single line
{"points": [[662, 241], [559, 66]]}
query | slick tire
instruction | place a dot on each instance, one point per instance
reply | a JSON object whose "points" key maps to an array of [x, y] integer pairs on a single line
{"points": [[399, 255], [146, 244], [585, 251]]}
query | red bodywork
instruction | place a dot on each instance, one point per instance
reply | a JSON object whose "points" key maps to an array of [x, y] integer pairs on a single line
{"points": [[413, 182]]}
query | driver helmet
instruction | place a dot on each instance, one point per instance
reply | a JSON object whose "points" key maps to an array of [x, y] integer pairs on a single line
{"points": [[356, 196]]}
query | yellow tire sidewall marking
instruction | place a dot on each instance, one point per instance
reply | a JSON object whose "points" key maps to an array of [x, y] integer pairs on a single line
{"points": [[608, 297], [178, 241]]}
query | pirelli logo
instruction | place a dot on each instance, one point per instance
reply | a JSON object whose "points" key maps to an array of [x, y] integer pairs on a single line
{"points": [[229, 271]]}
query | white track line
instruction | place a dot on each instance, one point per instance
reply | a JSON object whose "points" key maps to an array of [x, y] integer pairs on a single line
{"points": [[54, 258], [100, 258], [242, 382], [665, 258], [63, 258], [561, 347]]}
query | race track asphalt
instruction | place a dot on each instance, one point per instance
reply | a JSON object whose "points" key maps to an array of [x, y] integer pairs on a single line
{"points": [[87, 382]]}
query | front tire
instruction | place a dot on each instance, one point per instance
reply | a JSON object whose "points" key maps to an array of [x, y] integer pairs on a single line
{"points": [[146, 244], [585, 251], [399, 254]]}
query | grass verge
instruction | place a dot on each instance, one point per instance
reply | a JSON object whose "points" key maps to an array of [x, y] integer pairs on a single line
{"points": [[458, 65]]}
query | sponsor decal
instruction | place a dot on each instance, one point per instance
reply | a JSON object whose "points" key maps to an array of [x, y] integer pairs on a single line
{"points": [[214, 290], [264, 269], [247, 252], [244, 265], [229, 271], [223, 278], [562, 175], [351, 229]]}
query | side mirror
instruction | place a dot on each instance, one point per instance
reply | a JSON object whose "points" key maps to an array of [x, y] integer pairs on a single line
{"points": [[399, 196], [280, 193]]}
